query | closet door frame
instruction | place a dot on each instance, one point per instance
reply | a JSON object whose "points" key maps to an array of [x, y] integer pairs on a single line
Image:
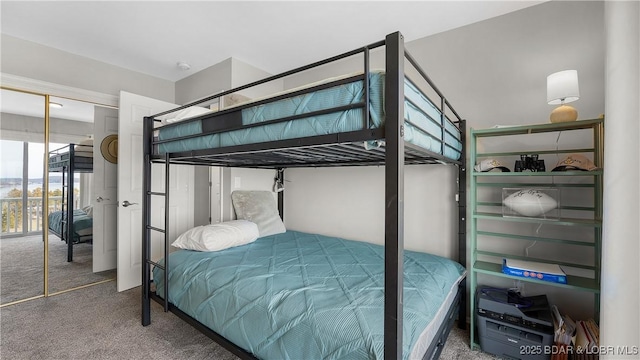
{"points": [[47, 90]]}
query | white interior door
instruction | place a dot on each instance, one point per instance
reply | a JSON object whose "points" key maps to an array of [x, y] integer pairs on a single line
{"points": [[130, 187], [105, 204]]}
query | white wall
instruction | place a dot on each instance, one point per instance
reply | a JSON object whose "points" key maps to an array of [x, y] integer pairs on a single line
{"points": [[212, 80], [349, 202], [620, 314], [243, 74], [225, 75], [34, 61], [495, 71]]}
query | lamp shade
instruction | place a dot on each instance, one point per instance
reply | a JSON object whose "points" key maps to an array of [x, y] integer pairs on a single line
{"points": [[562, 87]]}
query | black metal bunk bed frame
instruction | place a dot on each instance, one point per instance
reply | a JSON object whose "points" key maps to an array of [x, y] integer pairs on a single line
{"points": [[323, 150], [65, 161]]}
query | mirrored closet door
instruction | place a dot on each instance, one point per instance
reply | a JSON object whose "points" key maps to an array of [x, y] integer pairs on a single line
{"points": [[82, 194], [22, 149], [50, 178]]}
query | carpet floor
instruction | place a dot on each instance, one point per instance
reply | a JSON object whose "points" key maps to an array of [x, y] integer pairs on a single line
{"points": [[97, 322], [22, 267]]}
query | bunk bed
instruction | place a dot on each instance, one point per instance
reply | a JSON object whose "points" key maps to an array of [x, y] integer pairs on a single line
{"points": [[389, 122], [73, 226]]}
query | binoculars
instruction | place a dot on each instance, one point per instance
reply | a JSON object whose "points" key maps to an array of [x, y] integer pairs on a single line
{"points": [[529, 162]]}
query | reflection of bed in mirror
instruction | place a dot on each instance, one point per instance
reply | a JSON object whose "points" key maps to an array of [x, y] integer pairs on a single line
{"points": [[298, 295], [73, 226], [82, 225]]}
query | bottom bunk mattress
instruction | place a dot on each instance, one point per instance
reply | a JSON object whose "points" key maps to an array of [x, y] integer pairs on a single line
{"points": [[82, 225], [304, 296]]}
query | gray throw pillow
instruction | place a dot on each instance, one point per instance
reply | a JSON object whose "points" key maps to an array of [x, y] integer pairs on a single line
{"points": [[260, 208]]}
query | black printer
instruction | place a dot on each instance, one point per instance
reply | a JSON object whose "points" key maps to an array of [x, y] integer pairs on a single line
{"points": [[512, 326]]}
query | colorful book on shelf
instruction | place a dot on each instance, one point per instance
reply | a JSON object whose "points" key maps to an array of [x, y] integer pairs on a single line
{"points": [[586, 339], [534, 270], [594, 331]]}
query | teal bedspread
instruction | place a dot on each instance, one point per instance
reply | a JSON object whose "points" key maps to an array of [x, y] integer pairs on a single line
{"points": [[82, 224], [304, 296], [423, 123]]}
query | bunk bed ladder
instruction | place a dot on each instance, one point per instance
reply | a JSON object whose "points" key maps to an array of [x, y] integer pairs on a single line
{"points": [[66, 228], [164, 267], [63, 208], [69, 206], [146, 236]]}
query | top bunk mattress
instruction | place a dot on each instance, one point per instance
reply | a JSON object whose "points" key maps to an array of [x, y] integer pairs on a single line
{"points": [[82, 157], [306, 296], [424, 125]]}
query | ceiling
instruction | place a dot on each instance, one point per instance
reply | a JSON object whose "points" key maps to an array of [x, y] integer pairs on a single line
{"points": [[151, 37]]}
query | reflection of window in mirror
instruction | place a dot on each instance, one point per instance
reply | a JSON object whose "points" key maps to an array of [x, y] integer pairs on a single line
{"points": [[21, 202]]}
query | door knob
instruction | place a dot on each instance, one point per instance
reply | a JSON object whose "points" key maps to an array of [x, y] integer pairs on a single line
{"points": [[99, 199], [127, 203]]}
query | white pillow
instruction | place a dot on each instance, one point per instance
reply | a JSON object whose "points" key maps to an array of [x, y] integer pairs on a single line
{"points": [[183, 114], [88, 210], [259, 207], [217, 237]]}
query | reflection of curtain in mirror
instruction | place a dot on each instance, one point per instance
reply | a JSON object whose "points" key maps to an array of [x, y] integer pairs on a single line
{"points": [[86, 190]]}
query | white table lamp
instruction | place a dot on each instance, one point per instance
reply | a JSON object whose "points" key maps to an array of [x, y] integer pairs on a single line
{"points": [[562, 88]]}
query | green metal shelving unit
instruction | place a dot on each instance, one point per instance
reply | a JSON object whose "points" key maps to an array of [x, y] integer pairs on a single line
{"points": [[489, 262]]}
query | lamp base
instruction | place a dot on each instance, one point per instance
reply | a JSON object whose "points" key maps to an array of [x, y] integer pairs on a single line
{"points": [[564, 113]]}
